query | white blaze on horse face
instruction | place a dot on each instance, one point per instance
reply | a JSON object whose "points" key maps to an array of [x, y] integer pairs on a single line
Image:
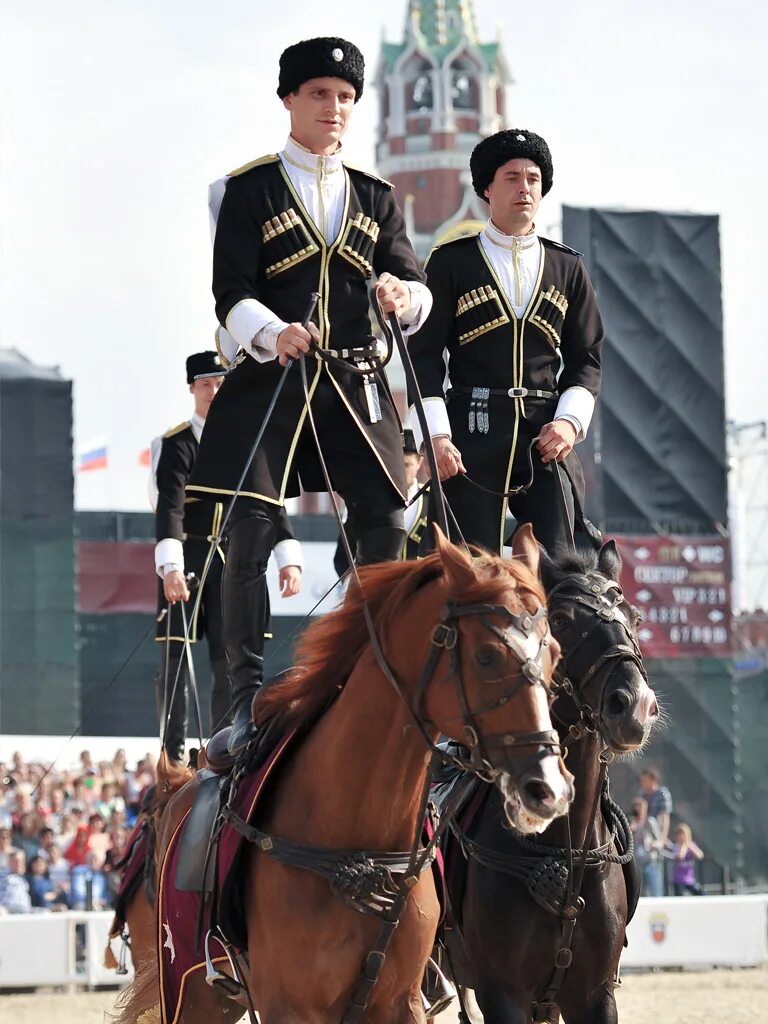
{"points": [[551, 770]]}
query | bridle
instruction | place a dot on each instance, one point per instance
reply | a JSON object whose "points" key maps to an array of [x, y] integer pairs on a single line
{"points": [[520, 629], [581, 665]]}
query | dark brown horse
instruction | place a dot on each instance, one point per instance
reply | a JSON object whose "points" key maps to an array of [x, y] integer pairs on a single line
{"points": [[510, 941], [357, 780]]}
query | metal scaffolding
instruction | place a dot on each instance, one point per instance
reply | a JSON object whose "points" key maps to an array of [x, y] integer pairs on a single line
{"points": [[748, 493]]}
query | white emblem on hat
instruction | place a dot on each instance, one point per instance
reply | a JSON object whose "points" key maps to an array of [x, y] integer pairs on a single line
{"points": [[338, 54], [520, 137]]}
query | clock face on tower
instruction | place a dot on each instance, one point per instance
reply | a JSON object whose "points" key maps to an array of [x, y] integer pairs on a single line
{"points": [[422, 93], [461, 91]]}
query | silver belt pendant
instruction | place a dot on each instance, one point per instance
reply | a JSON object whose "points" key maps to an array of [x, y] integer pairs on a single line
{"points": [[483, 419], [371, 396], [472, 408]]}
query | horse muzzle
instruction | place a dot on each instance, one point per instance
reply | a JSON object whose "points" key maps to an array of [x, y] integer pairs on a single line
{"points": [[541, 794], [628, 717]]}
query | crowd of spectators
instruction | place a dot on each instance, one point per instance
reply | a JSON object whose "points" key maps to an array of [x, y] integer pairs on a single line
{"points": [[61, 831]]}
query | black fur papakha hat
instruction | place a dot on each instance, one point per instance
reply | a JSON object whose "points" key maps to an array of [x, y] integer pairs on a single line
{"points": [[324, 57], [204, 364], [490, 154], [409, 443]]}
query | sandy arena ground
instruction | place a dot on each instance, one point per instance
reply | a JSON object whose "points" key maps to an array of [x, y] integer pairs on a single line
{"points": [[735, 997]]}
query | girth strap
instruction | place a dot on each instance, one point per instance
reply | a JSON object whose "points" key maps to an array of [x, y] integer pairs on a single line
{"points": [[362, 879]]}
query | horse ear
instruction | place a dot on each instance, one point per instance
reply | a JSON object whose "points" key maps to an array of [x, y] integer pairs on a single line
{"points": [[609, 561], [457, 565], [526, 548]]}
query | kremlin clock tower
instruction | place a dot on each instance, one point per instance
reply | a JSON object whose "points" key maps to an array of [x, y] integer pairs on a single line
{"points": [[440, 92]]}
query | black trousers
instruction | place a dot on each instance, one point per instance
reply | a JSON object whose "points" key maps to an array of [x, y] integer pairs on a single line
{"points": [[207, 625], [481, 517], [373, 502]]}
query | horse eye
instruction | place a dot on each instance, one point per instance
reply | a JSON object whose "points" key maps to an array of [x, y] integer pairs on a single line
{"points": [[486, 656], [559, 621]]}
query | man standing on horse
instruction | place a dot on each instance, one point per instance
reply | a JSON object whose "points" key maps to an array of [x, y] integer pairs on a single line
{"points": [[290, 224], [511, 309]]}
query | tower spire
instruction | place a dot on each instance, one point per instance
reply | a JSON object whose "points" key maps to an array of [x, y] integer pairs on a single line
{"points": [[441, 22]]}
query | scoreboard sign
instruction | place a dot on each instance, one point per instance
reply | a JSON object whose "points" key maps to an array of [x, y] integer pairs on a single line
{"points": [[682, 585]]}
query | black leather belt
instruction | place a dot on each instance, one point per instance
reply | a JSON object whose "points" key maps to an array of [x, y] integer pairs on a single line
{"points": [[366, 353], [508, 392]]}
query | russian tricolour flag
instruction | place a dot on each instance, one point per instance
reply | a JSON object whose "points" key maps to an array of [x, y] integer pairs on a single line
{"points": [[92, 455]]}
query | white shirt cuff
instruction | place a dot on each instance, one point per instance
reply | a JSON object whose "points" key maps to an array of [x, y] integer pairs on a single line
{"points": [[576, 405], [437, 420], [226, 346], [288, 552], [246, 321], [420, 308], [169, 552]]}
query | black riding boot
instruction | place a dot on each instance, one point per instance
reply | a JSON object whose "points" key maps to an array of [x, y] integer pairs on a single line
{"points": [[177, 725], [244, 604], [384, 544], [221, 695]]}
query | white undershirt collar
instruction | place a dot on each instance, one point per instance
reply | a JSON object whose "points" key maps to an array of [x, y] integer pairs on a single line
{"points": [[302, 159], [513, 242]]}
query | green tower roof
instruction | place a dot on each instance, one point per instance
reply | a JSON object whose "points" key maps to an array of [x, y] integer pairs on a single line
{"points": [[438, 26]]}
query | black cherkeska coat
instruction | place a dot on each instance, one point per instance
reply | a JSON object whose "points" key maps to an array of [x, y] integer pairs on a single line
{"points": [[267, 247], [555, 345]]}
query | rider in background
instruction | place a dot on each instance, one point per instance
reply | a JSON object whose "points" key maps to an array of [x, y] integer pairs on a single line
{"points": [[288, 225], [184, 526], [516, 317]]}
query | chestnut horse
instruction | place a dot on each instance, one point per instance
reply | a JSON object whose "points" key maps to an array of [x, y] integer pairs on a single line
{"points": [[603, 706], [470, 655]]}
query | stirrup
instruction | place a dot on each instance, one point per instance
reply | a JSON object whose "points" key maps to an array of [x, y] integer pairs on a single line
{"points": [[437, 991], [122, 959], [231, 986]]}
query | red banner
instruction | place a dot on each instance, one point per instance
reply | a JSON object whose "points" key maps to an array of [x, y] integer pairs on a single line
{"points": [[682, 585], [115, 578]]}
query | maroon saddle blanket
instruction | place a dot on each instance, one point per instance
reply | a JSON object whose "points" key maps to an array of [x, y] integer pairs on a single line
{"points": [[131, 865]]}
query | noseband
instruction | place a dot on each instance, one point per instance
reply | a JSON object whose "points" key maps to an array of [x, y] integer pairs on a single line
{"points": [[603, 598], [519, 630]]}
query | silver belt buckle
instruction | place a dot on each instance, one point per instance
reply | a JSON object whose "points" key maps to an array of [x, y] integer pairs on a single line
{"points": [[517, 392]]}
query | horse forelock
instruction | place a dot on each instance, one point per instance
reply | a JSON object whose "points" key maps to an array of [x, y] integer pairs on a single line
{"points": [[331, 646], [583, 562]]}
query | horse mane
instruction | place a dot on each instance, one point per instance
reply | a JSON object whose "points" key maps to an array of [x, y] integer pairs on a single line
{"points": [[331, 646]]}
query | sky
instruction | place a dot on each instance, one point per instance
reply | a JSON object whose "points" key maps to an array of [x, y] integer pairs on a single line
{"points": [[116, 114]]}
